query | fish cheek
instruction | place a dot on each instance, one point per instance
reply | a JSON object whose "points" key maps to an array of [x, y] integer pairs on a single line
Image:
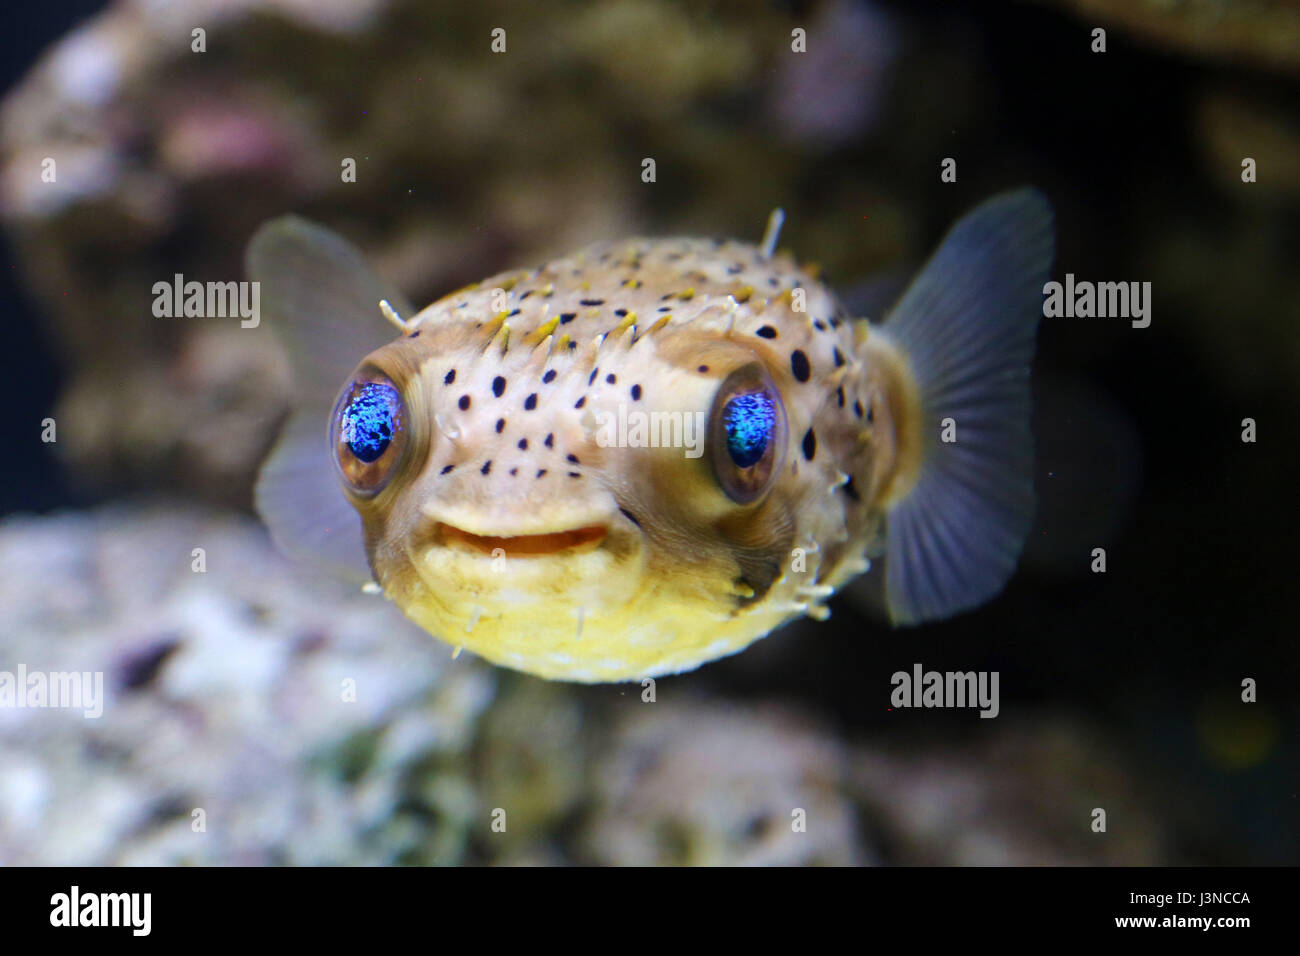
{"points": [[753, 541], [759, 539]]}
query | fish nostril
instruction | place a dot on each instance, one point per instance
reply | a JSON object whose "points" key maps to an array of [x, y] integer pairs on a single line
{"points": [[524, 545]]}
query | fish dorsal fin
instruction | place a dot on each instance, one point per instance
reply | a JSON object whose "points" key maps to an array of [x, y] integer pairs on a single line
{"points": [[321, 302]]}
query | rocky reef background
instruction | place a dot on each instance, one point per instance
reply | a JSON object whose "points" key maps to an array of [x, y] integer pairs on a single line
{"points": [[1119, 691]]}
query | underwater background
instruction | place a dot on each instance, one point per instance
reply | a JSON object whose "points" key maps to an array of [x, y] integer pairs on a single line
{"points": [[1119, 690]]}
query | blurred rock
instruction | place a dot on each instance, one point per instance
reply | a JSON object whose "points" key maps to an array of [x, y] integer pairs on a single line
{"points": [[1235, 126], [835, 93], [1023, 796], [709, 784], [467, 162], [225, 692], [1259, 33]]}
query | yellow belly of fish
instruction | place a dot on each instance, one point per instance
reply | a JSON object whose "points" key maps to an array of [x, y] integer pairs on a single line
{"points": [[599, 636], [632, 644]]}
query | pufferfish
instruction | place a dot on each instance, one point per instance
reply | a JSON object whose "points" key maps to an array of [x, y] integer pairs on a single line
{"points": [[649, 454]]}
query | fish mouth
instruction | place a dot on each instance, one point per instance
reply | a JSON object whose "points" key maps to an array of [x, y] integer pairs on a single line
{"points": [[572, 541]]}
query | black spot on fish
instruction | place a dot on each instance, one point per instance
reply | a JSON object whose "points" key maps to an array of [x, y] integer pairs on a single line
{"points": [[767, 332], [446, 468], [819, 325], [620, 312], [611, 378], [487, 466], [549, 377], [839, 395], [592, 302], [414, 335], [449, 377], [810, 444], [501, 424], [574, 474], [857, 408], [498, 386], [464, 403], [580, 402], [514, 312], [530, 402], [574, 459], [523, 444], [636, 393], [513, 472], [592, 377], [550, 441], [566, 317], [525, 295], [540, 472], [630, 517], [838, 356], [799, 365], [704, 368]]}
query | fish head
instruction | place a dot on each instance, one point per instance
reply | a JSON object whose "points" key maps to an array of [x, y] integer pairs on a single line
{"points": [[596, 512]]}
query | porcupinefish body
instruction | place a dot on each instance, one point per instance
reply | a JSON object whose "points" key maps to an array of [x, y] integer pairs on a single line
{"points": [[651, 453]]}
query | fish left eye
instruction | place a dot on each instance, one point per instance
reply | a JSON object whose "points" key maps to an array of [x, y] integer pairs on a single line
{"points": [[368, 432], [747, 434]]}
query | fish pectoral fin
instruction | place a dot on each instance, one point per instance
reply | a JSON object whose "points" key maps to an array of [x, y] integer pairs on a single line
{"points": [[967, 327], [301, 503], [321, 301]]}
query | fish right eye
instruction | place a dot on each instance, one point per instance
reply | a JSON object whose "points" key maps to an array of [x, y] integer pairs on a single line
{"points": [[368, 432]]}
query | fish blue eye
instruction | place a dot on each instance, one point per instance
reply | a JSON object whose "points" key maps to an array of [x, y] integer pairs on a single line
{"points": [[369, 419], [747, 434], [750, 422]]}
